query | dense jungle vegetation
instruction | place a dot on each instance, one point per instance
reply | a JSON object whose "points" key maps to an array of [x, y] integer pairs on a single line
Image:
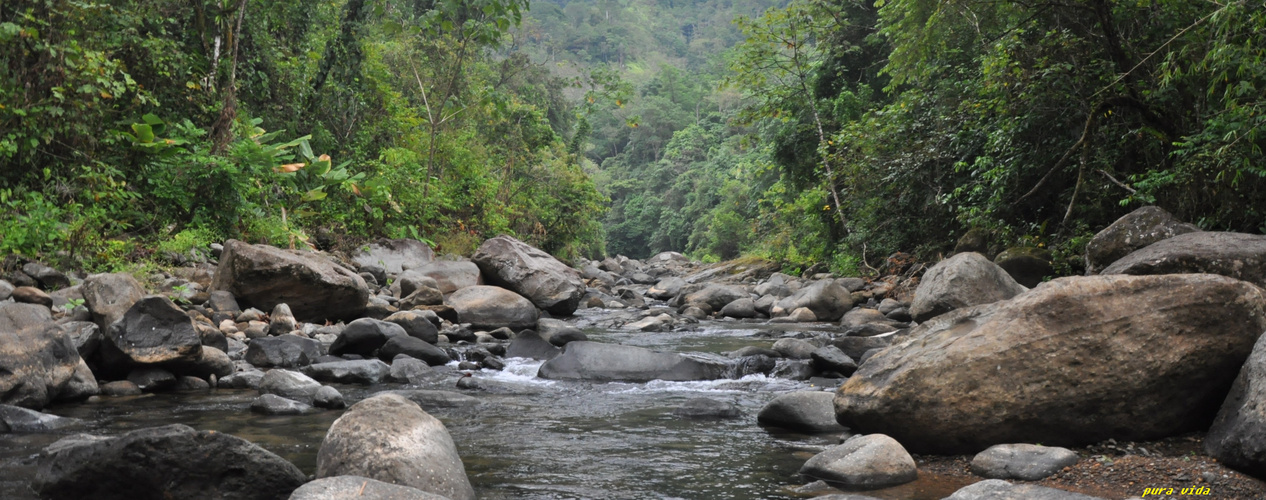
{"points": [[808, 131]]}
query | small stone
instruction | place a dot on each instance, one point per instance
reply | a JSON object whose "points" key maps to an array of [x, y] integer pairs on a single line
{"points": [[871, 461], [328, 397], [1021, 461], [272, 404]]}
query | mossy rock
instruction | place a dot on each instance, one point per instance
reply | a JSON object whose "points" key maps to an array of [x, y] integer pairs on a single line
{"points": [[1027, 265]]}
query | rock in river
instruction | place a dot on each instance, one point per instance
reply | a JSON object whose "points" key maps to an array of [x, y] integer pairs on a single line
{"points": [[532, 273], [173, 461], [863, 462], [804, 411], [492, 307], [315, 288], [596, 361], [389, 438], [964, 280], [39, 364], [1076, 360]]}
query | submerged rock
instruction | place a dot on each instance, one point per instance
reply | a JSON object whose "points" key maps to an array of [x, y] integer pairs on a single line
{"points": [[611, 362]]}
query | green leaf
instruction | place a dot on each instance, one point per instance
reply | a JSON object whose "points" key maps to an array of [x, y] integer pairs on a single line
{"points": [[144, 133], [305, 149], [315, 195]]}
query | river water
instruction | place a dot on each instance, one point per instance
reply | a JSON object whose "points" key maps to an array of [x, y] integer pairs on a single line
{"points": [[530, 438]]}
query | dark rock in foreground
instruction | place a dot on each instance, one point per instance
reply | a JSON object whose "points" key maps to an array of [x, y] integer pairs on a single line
{"points": [[1238, 435], [159, 463], [39, 364]]}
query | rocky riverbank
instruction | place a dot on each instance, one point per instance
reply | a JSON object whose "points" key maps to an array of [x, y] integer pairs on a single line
{"points": [[951, 360]]}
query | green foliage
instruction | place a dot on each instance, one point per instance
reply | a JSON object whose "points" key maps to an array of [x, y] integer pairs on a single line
{"points": [[139, 124]]}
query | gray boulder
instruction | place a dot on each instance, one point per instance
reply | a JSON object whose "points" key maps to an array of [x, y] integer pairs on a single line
{"points": [[741, 308], [18, 419], [1026, 462], [1026, 265], [997, 489], [994, 373], [831, 359], [16, 316], [288, 384], [715, 296], [152, 331], [394, 255], [795, 348], [1238, 435], [152, 378], [364, 336], [826, 298], [272, 404], [345, 487], [39, 364], [109, 296], [315, 288], [281, 321], [282, 351], [452, 276], [532, 273], [389, 438], [416, 325], [612, 362], [408, 370], [964, 280], [414, 348], [805, 411], [173, 461], [1238, 255], [529, 344], [361, 371], [1131, 232], [667, 288], [490, 307], [328, 397], [48, 278], [705, 408], [863, 462]]}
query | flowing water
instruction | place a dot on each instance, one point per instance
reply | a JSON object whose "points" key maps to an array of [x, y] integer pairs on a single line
{"points": [[531, 438]]}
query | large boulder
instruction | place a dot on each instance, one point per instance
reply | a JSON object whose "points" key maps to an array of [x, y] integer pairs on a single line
{"points": [[394, 255], [414, 348], [715, 296], [1028, 462], [532, 273], [1238, 435], [109, 296], [364, 336], [1238, 255], [416, 324], [1131, 232], [826, 298], [289, 384], [997, 489], [173, 461], [490, 307], [389, 438], [153, 331], [16, 316], [452, 275], [863, 463], [964, 280], [803, 411], [596, 361], [315, 288], [360, 371], [39, 364], [345, 487], [667, 288], [1026, 265], [1077, 360], [283, 351]]}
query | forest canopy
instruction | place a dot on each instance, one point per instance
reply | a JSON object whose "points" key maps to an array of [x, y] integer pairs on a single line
{"points": [[809, 131]]}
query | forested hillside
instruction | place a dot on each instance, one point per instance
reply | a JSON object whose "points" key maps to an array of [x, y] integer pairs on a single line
{"points": [[130, 125], [842, 131], [810, 131]]}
